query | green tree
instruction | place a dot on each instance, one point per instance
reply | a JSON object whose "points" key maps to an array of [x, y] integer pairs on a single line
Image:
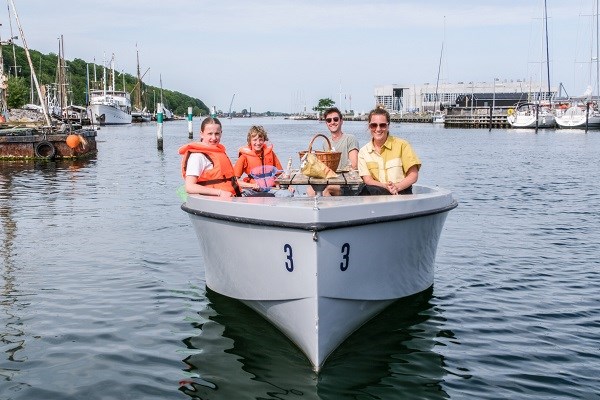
{"points": [[323, 105], [17, 92], [77, 75]]}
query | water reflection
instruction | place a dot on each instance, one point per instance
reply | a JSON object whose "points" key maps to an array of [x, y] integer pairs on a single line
{"points": [[393, 356], [11, 333], [16, 181]]}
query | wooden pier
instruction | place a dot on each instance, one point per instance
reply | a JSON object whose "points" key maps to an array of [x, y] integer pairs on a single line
{"points": [[413, 118], [476, 121]]}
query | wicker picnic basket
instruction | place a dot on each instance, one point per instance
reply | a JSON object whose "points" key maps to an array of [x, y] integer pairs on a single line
{"points": [[329, 158]]}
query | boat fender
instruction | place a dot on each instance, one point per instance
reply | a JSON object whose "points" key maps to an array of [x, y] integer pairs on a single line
{"points": [[510, 111], [45, 149], [72, 141]]}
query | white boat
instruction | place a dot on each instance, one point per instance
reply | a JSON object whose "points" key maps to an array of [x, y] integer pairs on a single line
{"points": [[167, 114], [109, 106], [584, 112], [318, 268], [141, 116], [438, 117], [574, 117], [524, 116]]}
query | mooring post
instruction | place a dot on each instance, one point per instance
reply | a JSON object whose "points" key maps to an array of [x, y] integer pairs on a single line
{"points": [[587, 115], [537, 114], [190, 127], [159, 124]]}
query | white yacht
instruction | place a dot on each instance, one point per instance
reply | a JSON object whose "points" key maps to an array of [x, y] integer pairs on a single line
{"points": [[525, 116], [575, 117], [109, 106]]}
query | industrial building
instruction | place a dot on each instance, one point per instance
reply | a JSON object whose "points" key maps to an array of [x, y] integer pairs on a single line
{"points": [[429, 97]]}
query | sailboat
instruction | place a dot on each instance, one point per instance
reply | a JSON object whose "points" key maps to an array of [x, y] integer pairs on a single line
{"points": [[584, 113], [139, 113], [167, 114], [438, 115], [535, 114]]}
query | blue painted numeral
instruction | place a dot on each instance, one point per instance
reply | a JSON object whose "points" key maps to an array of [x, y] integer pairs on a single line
{"points": [[289, 263], [345, 256]]}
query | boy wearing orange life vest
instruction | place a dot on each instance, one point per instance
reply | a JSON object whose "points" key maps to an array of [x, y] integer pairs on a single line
{"points": [[257, 153]]}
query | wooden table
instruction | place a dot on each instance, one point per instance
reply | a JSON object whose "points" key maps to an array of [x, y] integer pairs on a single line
{"points": [[343, 178]]}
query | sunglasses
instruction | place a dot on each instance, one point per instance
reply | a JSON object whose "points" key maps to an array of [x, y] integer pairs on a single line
{"points": [[334, 119], [374, 125]]}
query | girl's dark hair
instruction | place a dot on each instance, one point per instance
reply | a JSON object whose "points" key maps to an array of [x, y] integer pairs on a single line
{"points": [[208, 121]]}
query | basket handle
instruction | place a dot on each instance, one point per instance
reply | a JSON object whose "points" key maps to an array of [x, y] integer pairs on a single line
{"points": [[313, 139]]}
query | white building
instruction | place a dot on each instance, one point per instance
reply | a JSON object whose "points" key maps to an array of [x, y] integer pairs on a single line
{"points": [[415, 98]]}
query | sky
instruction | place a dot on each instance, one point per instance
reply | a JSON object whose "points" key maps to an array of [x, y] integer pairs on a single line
{"points": [[285, 55]]}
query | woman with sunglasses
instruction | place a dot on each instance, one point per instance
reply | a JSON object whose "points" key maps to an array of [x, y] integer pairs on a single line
{"points": [[387, 164]]}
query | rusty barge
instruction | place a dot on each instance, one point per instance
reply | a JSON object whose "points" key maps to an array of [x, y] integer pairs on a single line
{"points": [[22, 143]]}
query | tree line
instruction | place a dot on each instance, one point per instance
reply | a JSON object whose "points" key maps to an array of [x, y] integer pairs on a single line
{"points": [[19, 82]]}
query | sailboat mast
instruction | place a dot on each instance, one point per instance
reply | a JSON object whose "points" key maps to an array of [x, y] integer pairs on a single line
{"points": [[138, 89], [12, 37], [437, 82], [3, 81], [37, 85], [438, 79], [112, 73], [104, 78], [597, 54], [547, 50]]}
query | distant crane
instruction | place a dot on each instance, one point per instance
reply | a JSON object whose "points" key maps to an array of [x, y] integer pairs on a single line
{"points": [[231, 105]]}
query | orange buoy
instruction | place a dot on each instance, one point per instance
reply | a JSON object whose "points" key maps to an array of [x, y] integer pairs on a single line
{"points": [[73, 141]]}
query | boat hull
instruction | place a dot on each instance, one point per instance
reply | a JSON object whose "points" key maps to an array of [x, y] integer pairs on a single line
{"points": [[141, 116], [101, 114], [319, 270], [575, 118], [528, 121]]}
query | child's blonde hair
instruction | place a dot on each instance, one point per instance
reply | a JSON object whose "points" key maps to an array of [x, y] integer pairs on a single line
{"points": [[257, 130]]}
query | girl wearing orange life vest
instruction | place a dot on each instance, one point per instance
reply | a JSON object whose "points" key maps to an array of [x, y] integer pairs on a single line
{"points": [[205, 166]]}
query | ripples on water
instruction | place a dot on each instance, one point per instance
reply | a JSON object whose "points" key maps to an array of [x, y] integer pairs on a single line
{"points": [[102, 286]]}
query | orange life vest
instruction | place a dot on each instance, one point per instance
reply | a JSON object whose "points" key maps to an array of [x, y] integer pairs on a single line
{"points": [[220, 176], [254, 160]]}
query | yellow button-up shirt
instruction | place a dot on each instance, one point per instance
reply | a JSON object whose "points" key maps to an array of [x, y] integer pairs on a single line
{"points": [[391, 165]]}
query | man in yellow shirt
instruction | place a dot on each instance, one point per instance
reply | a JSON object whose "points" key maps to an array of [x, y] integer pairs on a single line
{"points": [[387, 164]]}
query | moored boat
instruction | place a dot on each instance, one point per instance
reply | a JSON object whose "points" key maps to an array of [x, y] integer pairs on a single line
{"points": [[141, 116], [140, 112], [318, 268], [19, 143], [576, 117], [109, 106], [438, 117], [531, 115]]}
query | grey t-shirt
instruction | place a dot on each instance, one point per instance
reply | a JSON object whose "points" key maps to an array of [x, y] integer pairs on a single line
{"points": [[345, 144]]}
